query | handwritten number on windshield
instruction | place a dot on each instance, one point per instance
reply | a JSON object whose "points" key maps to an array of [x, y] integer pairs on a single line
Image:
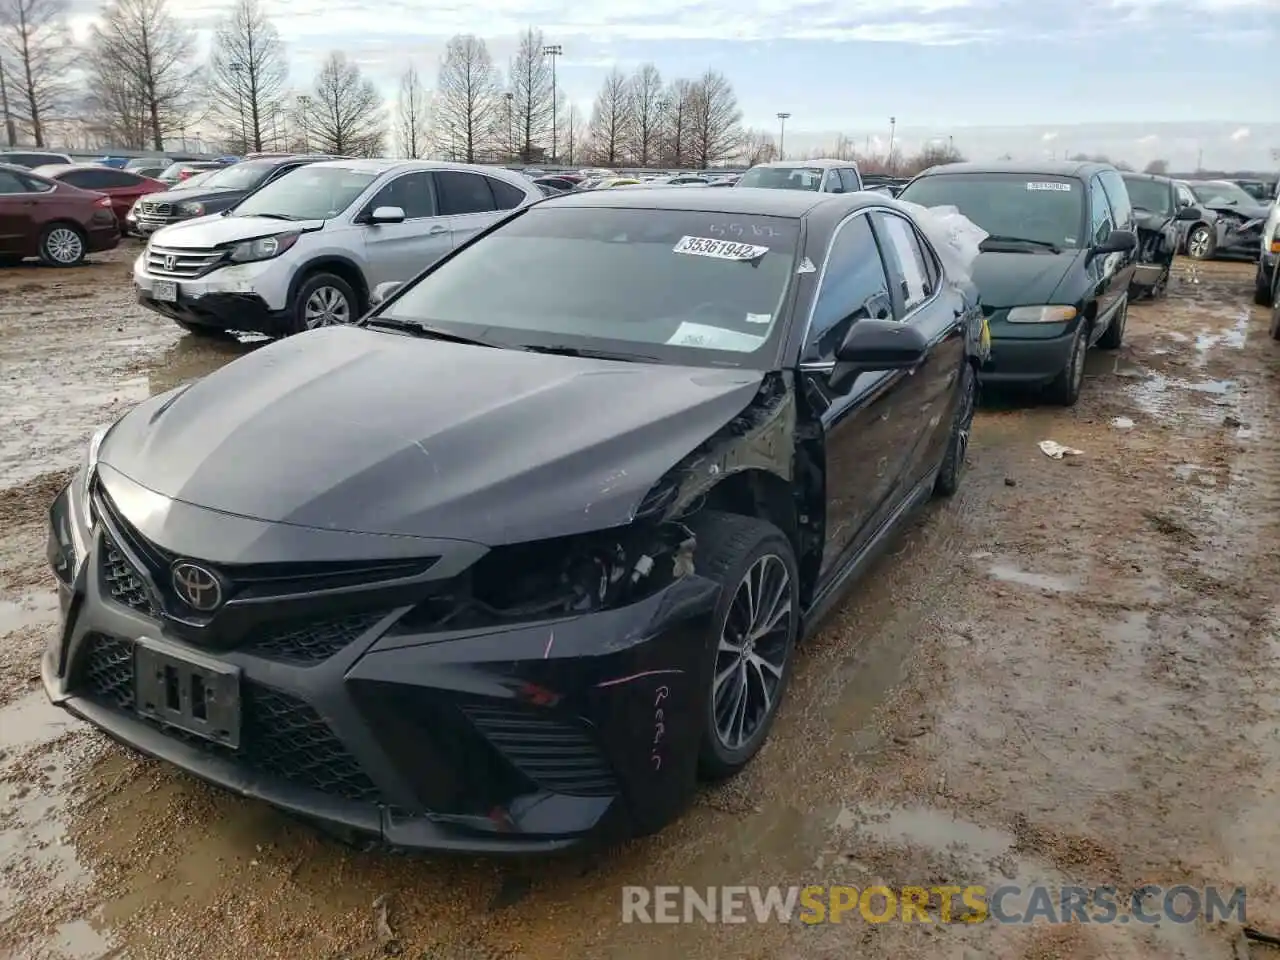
{"points": [[740, 230]]}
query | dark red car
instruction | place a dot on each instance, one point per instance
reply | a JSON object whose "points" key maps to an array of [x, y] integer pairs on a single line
{"points": [[54, 221], [122, 186]]}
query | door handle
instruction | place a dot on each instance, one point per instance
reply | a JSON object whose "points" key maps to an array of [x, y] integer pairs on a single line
{"points": [[435, 231]]}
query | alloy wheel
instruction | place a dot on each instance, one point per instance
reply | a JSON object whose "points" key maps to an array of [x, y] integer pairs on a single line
{"points": [[326, 306], [1198, 243], [64, 245], [752, 653]]}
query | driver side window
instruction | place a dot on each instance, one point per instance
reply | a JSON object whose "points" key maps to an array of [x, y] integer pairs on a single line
{"points": [[411, 193], [855, 286], [1100, 224]]}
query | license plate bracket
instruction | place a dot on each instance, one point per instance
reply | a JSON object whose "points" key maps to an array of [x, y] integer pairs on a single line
{"points": [[185, 689], [165, 290]]}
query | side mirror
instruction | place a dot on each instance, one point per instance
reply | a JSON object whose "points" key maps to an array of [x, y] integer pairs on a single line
{"points": [[1118, 241], [875, 345], [387, 215], [1187, 214], [384, 291]]}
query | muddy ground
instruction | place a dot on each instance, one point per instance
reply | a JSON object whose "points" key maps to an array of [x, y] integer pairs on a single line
{"points": [[1068, 674]]}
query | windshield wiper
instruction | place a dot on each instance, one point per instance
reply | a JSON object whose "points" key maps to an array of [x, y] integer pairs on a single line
{"points": [[1044, 244], [561, 350], [271, 216], [420, 329]]}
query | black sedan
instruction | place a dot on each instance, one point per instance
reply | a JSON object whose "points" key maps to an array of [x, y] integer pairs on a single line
{"points": [[511, 562]]}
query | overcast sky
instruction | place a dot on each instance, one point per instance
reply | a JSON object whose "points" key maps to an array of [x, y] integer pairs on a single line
{"points": [[1135, 78]]}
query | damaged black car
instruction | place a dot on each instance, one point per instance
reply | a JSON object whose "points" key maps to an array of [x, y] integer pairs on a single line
{"points": [[512, 562], [1239, 220], [1157, 217]]}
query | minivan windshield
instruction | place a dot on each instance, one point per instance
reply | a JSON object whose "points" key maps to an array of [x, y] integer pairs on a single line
{"points": [[308, 193], [696, 288], [1153, 196], [783, 178], [1037, 207]]}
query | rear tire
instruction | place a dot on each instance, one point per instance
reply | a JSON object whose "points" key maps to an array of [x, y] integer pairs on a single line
{"points": [[1113, 337], [324, 300], [948, 479], [1202, 242], [63, 245], [1064, 389], [755, 625], [1261, 288]]}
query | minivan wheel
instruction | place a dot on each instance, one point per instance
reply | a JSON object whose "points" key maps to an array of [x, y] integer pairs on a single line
{"points": [[1202, 241], [1064, 389], [324, 300], [62, 245], [753, 636]]}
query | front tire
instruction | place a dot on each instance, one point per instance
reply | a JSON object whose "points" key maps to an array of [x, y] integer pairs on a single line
{"points": [[1202, 242], [1064, 389], [62, 245], [948, 479], [1261, 288], [756, 622], [324, 300], [1275, 305]]}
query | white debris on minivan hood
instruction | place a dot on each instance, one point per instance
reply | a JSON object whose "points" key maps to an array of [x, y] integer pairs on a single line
{"points": [[956, 238]]}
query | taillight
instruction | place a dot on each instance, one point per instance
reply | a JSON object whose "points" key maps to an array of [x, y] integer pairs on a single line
{"points": [[102, 202]]}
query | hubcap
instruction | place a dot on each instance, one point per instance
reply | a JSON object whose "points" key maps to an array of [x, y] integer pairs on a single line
{"points": [[1077, 361], [325, 307], [1198, 245], [752, 653], [64, 245]]}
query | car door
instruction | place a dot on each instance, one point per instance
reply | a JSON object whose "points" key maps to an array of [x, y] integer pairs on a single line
{"points": [[17, 209], [861, 428], [937, 309], [400, 251], [849, 180], [1102, 270], [831, 182], [1122, 215], [466, 202]]}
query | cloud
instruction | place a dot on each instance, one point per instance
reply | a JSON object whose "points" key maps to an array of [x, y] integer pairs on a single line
{"points": [[1148, 140], [1049, 137], [1240, 135]]}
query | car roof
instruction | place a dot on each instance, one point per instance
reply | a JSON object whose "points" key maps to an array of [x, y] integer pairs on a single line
{"points": [[1134, 175], [771, 203], [53, 169], [1047, 168], [804, 163], [378, 166]]}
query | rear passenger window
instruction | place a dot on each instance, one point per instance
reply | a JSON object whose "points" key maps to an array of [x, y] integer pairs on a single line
{"points": [[910, 258], [505, 196], [461, 193], [88, 179]]}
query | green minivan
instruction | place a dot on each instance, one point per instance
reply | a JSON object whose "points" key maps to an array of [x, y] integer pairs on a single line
{"points": [[1055, 268]]}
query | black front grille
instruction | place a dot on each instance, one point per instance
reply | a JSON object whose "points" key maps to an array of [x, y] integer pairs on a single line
{"points": [[123, 582], [281, 735], [557, 754], [311, 643]]}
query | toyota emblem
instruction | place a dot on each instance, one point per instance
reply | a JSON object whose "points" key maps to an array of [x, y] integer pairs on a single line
{"points": [[170, 261], [197, 587]]}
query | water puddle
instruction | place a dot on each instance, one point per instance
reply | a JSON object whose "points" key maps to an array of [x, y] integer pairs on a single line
{"points": [[1233, 337], [77, 940], [1157, 394], [1122, 423], [1040, 581], [28, 612]]}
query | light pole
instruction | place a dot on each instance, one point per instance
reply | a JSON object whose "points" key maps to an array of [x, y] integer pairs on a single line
{"points": [[511, 134], [893, 126], [304, 111], [782, 133], [237, 68], [553, 51]]}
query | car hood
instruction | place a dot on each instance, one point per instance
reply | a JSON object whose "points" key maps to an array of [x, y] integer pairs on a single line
{"points": [[1017, 279], [214, 230], [349, 429], [177, 195], [1250, 211]]}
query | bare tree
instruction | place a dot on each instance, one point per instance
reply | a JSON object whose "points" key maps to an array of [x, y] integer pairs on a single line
{"points": [[248, 76], [676, 110], [412, 109], [347, 114], [468, 91], [36, 44], [609, 120], [1158, 167], [756, 146], [644, 114], [573, 133], [141, 60], [530, 86], [715, 120]]}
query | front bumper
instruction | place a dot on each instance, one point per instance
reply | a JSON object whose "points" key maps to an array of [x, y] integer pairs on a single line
{"points": [[1027, 354], [530, 739], [251, 297]]}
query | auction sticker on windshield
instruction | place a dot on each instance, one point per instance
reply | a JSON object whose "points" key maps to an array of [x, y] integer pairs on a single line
{"points": [[1049, 185], [719, 249]]}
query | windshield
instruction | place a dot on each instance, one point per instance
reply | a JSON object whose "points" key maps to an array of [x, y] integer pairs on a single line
{"points": [[239, 176], [783, 178], [1149, 195], [1037, 207], [696, 288], [308, 193], [1223, 194]]}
